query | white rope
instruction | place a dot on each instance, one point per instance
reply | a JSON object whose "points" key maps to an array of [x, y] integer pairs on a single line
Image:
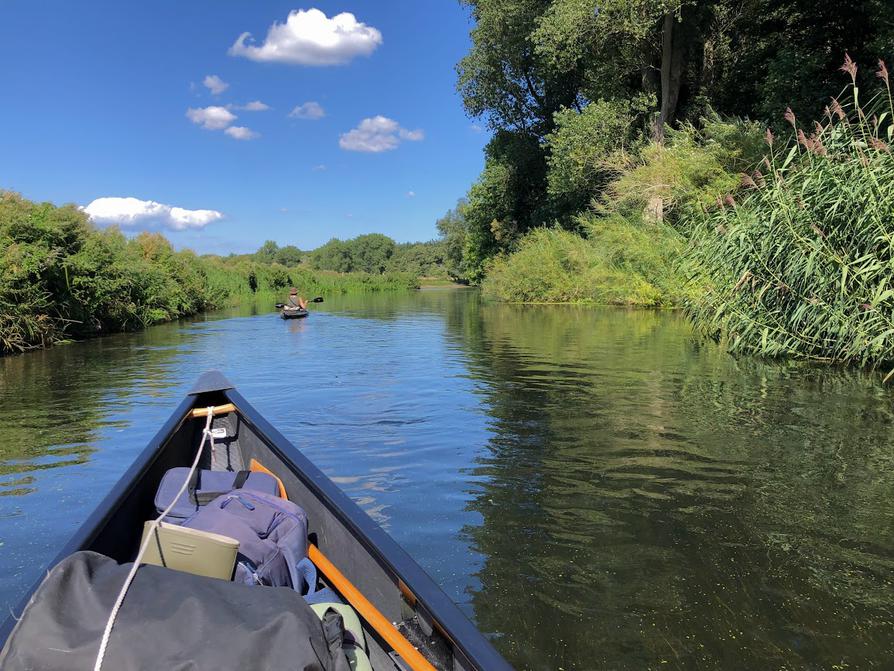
{"points": [[206, 435]]}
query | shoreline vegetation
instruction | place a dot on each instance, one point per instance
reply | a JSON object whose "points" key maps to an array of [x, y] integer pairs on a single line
{"points": [[729, 159], [62, 278]]}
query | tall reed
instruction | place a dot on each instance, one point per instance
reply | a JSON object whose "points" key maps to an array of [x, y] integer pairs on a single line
{"points": [[800, 262]]}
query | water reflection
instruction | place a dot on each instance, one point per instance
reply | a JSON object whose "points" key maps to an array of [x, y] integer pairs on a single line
{"points": [[597, 488], [650, 502]]}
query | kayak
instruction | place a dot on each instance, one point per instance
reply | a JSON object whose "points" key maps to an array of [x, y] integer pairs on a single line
{"points": [[293, 313], [408, 621]]}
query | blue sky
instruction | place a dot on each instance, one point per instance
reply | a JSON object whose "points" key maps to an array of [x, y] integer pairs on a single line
{"points": [[110, 100]]}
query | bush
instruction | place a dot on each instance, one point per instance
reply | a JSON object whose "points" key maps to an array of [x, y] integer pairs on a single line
{"points": [[802, 264], [623, 262], [588, 149], [686, 174]]}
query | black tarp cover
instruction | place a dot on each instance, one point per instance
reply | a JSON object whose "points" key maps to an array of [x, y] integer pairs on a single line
{"points": [[169, 620]]}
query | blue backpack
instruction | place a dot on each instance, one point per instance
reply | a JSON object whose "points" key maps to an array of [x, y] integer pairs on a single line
{"points": [[272, 535], [204, 487]]}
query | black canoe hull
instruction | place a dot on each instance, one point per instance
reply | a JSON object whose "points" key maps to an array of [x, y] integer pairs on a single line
{"points": [[293, 314], [371, 559]]}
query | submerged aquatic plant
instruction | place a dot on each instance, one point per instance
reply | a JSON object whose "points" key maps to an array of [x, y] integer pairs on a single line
{"points": [[802, 264]]}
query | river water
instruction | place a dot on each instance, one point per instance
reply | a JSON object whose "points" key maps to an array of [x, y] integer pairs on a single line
{"points": [[597, 489]]}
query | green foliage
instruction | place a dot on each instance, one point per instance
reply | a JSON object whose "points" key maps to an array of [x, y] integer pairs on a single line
{"points": [[452, 227], [365, 253], [335, 255], [370, 253], [588, 149], [767, 55], [803, 264], [694, 167], [623, 262], [267, 252], [289, 256], [508, 199], [420, 259]]}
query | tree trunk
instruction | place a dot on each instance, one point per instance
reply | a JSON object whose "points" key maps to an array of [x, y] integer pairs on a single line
{"points": [[672, 51]]}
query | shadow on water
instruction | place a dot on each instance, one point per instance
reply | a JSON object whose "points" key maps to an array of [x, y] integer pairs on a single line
{"points": [[595, 487], [649, 502]]}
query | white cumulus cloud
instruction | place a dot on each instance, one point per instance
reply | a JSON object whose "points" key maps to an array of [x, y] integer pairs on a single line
{"points": [[309, 110], [376, 134], [215, 84], [411, 194], [256, 106], [241, 133], [148, 213], [309, 37], [212, 118]]}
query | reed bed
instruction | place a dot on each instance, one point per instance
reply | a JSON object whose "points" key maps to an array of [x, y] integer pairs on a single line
{"points": [[800, 262]]}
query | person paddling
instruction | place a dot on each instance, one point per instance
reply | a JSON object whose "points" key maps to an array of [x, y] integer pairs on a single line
{"points": [[295, 301]]}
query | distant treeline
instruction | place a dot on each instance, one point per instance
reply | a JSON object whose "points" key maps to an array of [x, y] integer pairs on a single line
{"points": [[373, 253], [62, 278]]}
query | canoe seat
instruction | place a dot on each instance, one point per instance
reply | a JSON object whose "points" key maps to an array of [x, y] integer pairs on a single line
{"points": [[191, 550], [355, 651]]}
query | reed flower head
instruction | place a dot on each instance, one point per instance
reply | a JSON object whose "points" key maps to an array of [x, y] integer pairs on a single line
{"points": [[759, 179], [729, 200], [882, 72], [769, 137], [837, 109], [880, 145], [849, 67], [747, 181], [789, 116]]}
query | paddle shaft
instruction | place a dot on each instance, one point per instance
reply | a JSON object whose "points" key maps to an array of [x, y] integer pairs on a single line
{"points": [[369, 612]]}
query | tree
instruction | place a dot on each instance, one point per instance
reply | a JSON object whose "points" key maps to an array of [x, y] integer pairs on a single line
{"points": [[370, 253], [334, 255], [289, 256], [267, 252], [453, 228], [588, 149]]}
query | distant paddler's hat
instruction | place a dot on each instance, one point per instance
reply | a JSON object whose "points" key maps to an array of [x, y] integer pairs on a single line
{"points": [[293, 291]]}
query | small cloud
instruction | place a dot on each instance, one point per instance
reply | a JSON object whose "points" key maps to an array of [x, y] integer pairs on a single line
{"points": [[283, 209], [309, 37], [241, 133], [215, 84], [476, 128], [211, 118], [411, 194], [319, 168], [255, 106], [148, 213], [309, 110], [377, 134]]}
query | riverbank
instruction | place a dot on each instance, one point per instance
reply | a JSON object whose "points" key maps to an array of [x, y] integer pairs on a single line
{"points": [[62, 278], [776, 245]]}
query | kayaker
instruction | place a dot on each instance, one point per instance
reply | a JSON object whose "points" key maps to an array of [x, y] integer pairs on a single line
{"points": [[295, 300]]}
